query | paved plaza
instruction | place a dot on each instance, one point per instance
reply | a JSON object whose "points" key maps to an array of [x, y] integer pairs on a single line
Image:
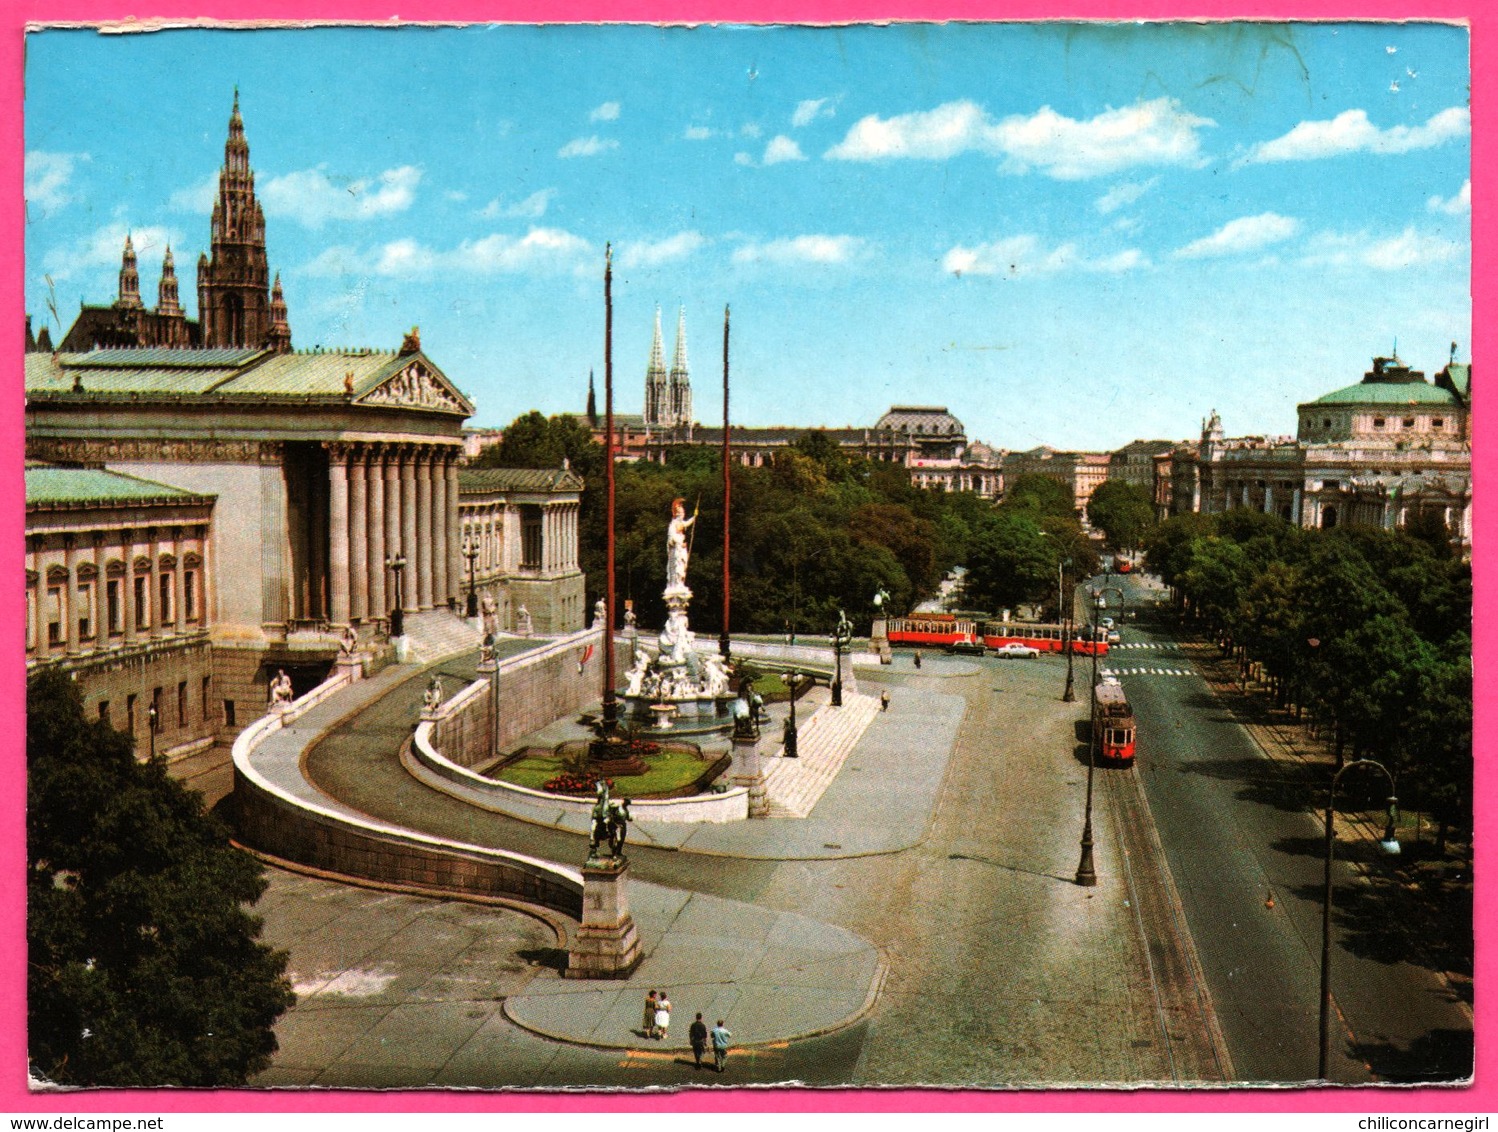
{"points": [[919, 926]]}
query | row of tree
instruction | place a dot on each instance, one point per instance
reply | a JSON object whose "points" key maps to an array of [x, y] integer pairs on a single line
{"points": [[1368, 630], [816, 530]]}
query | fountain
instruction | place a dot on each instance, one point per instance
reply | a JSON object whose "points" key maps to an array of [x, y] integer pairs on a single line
{"points": [[678, 690]]}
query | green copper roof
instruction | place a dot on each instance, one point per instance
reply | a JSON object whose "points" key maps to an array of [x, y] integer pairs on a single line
{"points": [[48, 484], [473, 480], [1388, 393]]}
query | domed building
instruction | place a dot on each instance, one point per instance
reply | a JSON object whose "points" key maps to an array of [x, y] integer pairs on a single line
{"points": [[1375, 453]]}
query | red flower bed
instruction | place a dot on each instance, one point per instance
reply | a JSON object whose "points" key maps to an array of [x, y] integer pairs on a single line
{"points": [[621, 748], [574, 782]]}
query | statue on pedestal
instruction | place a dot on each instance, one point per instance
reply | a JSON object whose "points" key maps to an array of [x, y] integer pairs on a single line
{"points": [[281, 694], [486, 650], [349, 644], [489, 612], [600, 613], [433, 698], [610, 824], [523, 621], [677, 550]]}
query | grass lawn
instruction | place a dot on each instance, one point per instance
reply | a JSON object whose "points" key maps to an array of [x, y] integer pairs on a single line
{"points": [[669, 771]]}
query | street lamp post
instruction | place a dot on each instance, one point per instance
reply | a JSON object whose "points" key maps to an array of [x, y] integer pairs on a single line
{"points": [[153, 721], [791, 680], [471, 552], [1086, 874], [842, 634], [1067, 641], [1389, 845], [398, 612]]}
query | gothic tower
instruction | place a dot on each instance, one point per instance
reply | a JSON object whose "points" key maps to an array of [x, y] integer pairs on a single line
{"points": [[657, 384], [170, 324], [129, 279], [234, 302], [680, 411]]}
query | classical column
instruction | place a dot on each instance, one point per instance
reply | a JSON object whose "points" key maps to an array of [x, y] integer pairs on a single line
{"points": [[394, 524], [338, 548], [1269, 497], [377, 520], [454, 540], [153, 583], [440, 582], [1295, 516], [70, 595], [358, 537], [424, 527], [408, 527], [127, 584]]}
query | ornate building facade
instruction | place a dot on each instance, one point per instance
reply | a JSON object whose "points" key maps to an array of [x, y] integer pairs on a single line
{"points": [[238, 305]]}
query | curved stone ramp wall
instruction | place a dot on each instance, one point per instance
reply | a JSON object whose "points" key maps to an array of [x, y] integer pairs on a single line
{"points": [[277, 811]]}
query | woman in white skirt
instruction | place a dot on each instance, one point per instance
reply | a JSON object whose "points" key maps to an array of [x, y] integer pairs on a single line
{"points": [[662, 1015]]}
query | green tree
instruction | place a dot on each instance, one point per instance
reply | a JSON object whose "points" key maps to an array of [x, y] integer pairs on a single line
{"points": [[1037, 494], [1011, 562], [1124, 512], [144, 967]]}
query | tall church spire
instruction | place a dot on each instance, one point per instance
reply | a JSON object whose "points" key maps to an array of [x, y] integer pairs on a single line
{"points": [[234, 302], [680, 386], [129, 279], [657, 406], [167, 301]]}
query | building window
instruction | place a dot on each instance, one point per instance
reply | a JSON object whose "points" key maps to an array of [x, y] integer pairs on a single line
{"points": [[104, 712], [85, 605], [229, 713], [182, 703], [112, 599], [1438, 423], [1326, 422], [530, 537], [1378, 422], [54, 615], [1409, 422], [130, 713], [140, 602], [165, 602], [190, 594]]}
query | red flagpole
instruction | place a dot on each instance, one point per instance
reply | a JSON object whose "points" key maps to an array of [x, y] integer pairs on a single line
{"points": [[610, 707], [723, 643]]}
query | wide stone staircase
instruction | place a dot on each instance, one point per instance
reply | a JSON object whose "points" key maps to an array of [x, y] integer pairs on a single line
{"points": [[437, 633], [794, 786]]}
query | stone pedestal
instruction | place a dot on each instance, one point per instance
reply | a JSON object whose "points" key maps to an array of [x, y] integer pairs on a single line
{"points": [[350, 664], [879, 641], [748, 771], [607, 945]]}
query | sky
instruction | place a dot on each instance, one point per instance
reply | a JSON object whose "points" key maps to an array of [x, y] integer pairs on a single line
{"points": [[1073, 235]]}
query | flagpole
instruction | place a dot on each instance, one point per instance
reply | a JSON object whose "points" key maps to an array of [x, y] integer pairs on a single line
{"points": [[610, 706], [723, 642]]}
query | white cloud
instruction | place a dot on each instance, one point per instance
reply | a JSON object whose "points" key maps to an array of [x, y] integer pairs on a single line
{"points": [[1411, 248], [1122, 195], [457, 196], [1024, 255], [104, 247], [782, 148], [697, 133], [1159, 132], [607, 112], [48, 176], [310, 197], [1246, 234], [532, 207], [1457, 205], [587, 147], [751, 130], [539, 250], [809, 110], [800, 249], [1351, 132], [648, 253], [197, 199], [742, 159]]}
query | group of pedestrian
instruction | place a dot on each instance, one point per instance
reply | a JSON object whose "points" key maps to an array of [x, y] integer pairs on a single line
{"points": [[658, 1021]]}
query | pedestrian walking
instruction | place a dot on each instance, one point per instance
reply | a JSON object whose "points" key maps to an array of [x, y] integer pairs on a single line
{"points": [[720, 1036], [884, 700], [662, 1016], [917, 660], [697, 1034], [650, 1015]]}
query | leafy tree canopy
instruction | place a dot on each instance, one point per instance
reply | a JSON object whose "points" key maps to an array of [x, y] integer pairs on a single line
{"points": [[1037, 494], [1123, 511], [144, 966]]}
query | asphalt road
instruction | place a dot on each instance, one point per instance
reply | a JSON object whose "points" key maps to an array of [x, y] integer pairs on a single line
{"points": [[1237, 836]]}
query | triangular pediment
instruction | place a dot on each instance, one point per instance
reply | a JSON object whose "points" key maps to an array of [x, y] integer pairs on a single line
{"points": [[417, 384]]}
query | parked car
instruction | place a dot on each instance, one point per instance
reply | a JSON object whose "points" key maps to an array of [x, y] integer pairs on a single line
{"points": [[1107, 622], [967, 648], [1113, 636], [1016, 648]]}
